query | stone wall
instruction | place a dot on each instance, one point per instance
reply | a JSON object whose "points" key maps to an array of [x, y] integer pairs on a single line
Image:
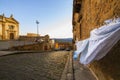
{"points": [[108, 68], [31, 47], [6, 44], [90, 14]]}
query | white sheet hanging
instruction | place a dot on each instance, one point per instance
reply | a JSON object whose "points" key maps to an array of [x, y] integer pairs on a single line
{"points": [[80, 45], [100, 42]]}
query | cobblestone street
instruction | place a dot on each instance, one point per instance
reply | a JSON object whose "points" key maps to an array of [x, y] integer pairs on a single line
{"points": [[33, 66]]}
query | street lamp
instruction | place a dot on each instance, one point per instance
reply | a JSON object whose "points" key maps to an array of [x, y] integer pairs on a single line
{"points": [[37, 28]]}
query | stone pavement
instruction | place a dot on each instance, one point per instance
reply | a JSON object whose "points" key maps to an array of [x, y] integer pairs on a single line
{"points": [[33, 66], [73, 69], [82, 72], [68, 70], [76, 71], [2, 53]]}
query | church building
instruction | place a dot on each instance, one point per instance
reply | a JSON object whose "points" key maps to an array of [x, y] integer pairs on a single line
{"points": [[9, 28]]}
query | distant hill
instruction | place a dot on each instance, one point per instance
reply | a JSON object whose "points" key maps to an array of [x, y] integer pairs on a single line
{"points": [[63, 39]]}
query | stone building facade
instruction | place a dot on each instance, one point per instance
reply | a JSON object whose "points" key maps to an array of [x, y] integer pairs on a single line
{"points": [[42, 42], [9, 28], [90, 14], [63, 45], [32, 35]]}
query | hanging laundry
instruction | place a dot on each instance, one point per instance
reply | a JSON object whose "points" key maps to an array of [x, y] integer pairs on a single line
{"points": [[80, 45], [100, 42]]}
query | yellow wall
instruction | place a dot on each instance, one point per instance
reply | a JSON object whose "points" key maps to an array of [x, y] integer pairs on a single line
{"points": [[56, 45], [5, 30], [0, 31]]}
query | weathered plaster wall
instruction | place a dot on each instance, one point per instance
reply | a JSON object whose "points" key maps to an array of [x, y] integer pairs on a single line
{"points": [[92, 14], [108, 68]]}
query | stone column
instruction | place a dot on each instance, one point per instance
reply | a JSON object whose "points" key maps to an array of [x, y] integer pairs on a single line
{"points": [[3, 31]]}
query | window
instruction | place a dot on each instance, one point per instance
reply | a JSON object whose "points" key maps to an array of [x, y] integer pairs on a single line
{"points": [[11, 27], [77, 8]]}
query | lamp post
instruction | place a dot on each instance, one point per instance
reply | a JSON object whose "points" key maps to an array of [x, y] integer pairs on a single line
{"points": [[37, 28]]}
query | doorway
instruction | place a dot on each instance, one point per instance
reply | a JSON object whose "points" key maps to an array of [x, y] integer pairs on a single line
{"points": [[11, 35]]}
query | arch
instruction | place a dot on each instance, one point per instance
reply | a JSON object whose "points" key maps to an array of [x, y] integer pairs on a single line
{"points": [[11, 35]]}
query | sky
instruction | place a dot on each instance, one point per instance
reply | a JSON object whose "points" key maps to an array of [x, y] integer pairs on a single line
{"points": [[54, 16]]}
